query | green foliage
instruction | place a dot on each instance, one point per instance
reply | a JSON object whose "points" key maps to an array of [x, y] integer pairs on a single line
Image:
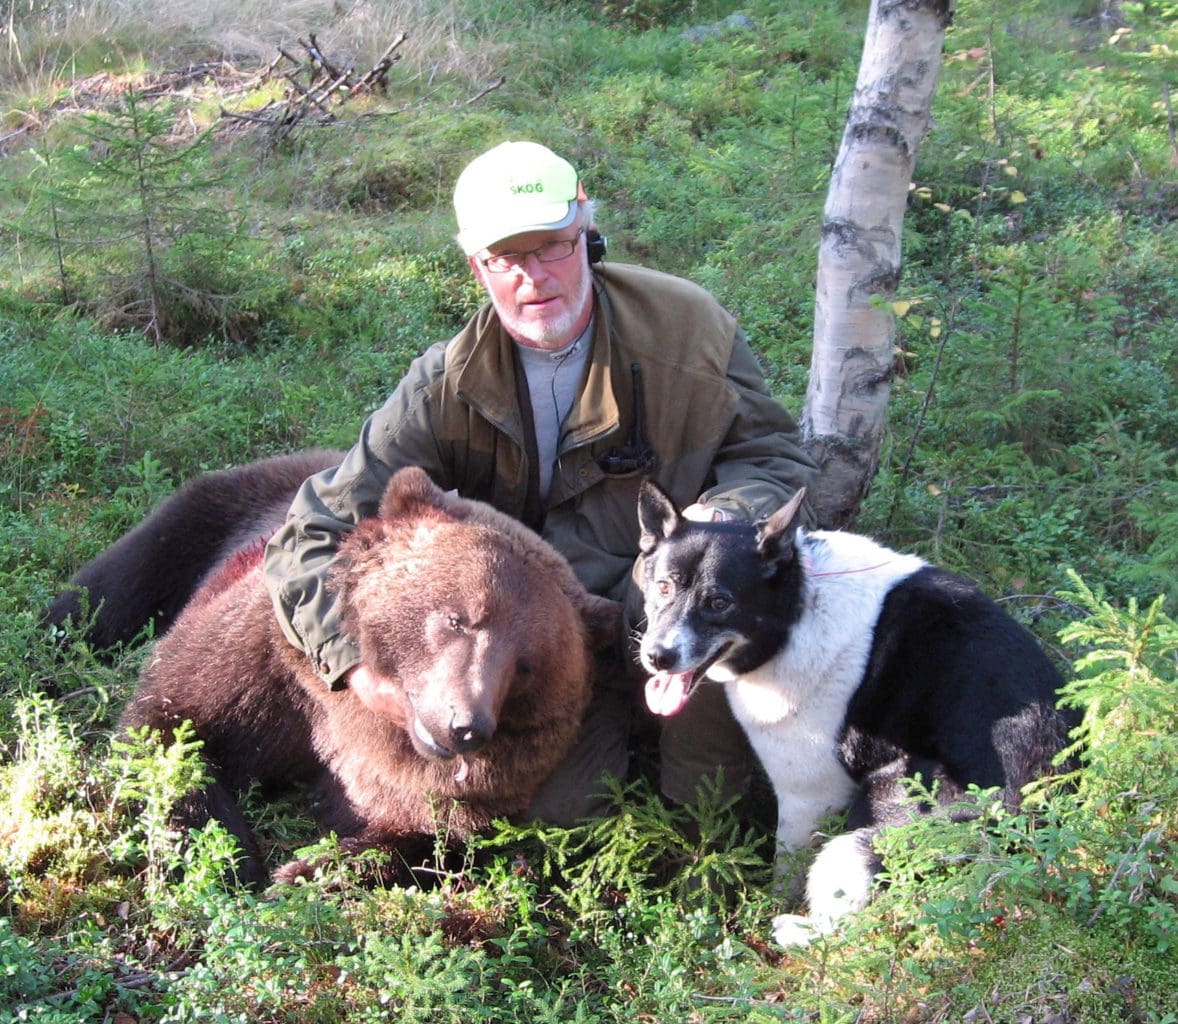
{"points": [[1032, 431], [1126, 681], [698, 853], [1092, 852], [157, 776], [47, 819], [1050, 371], [132, 225], [653, 911]]}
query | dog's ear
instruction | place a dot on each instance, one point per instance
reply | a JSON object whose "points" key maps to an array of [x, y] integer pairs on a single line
{"points": [[775, 535], [657, 516]]}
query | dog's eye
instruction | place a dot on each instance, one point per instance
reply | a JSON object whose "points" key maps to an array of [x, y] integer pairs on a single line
{"points": [[454, 622], [665, 588], [718, 602]]}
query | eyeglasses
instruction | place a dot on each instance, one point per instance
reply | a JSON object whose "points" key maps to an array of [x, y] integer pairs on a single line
{"points": [[549, 252]]}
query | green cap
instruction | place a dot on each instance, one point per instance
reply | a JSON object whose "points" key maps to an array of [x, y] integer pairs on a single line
{"points": [[514, 188]]}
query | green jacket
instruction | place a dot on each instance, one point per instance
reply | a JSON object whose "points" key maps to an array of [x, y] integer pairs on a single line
{"points": [[672, 390]]}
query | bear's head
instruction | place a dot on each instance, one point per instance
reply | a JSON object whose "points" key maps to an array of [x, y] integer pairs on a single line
{"points": [[476, 620]]}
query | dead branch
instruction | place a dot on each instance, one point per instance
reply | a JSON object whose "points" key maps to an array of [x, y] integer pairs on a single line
{"points": [[316, 85], [490, 88]]}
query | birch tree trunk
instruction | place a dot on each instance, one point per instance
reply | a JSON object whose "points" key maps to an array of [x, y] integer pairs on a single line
{"points": [[859, 258]]}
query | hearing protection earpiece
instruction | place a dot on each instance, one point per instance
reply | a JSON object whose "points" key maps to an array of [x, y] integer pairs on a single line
{"points": [[595, 245]]}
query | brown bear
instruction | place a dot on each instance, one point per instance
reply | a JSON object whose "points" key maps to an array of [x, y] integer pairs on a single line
{"points": [[480, 622], [149, 574]]}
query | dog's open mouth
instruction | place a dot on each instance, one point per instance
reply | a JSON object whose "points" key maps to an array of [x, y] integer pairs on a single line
{"points": [[667, 692]]}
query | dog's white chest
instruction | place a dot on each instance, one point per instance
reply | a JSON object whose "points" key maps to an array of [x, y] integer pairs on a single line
{"points": [[796, 742], [793, 707], [794, 734], [761, 703]]}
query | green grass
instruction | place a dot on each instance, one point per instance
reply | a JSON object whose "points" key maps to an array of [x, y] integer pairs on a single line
{"points": [[1032, 431]]}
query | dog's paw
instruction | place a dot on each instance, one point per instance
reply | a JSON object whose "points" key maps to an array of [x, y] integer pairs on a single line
{"points": [[841, 877], [795, 930]]}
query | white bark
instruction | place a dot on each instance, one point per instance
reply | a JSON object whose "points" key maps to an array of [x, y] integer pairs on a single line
{"points": [[860, 255]]}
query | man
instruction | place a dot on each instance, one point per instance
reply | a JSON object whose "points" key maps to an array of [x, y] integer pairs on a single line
{"points": [[572, 384]]}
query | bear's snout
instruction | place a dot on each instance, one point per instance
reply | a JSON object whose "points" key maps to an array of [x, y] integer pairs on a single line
{"points": [[470, 731], [461, 731]]}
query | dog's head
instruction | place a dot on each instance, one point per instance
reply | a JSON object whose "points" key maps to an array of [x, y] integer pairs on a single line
{"points": [[719, 597]]}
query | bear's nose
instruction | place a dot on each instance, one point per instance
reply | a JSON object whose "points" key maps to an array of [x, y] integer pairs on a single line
{"points": [[469, 732]]}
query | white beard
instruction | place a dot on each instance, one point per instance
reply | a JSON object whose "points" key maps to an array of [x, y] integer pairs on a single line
{"points": [[549, 333]]}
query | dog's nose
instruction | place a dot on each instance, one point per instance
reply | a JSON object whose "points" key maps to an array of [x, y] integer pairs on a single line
{"points": [[662, 659]]}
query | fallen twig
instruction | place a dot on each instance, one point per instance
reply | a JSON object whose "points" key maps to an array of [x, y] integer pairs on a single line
{"points": [[315, 86]]}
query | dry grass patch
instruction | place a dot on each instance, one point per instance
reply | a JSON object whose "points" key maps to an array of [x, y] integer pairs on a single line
{"points": [[55, 42]]}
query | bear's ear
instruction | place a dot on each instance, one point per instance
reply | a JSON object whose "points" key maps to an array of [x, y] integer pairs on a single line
{"points": [[657, 516], [602, 618], [775, 535], [410, 491]]}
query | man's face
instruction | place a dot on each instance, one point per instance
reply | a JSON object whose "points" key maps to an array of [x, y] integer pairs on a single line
{"points": [[541, 304]]}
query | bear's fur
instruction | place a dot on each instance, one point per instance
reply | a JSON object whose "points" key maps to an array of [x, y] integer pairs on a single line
{"points": [[149, 574], [480, 622]]}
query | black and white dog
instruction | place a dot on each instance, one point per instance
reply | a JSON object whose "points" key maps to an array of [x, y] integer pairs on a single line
{"points": [[851, 667]]}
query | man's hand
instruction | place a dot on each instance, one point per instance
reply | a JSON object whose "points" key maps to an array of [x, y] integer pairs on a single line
{"points": [[701, 513]]}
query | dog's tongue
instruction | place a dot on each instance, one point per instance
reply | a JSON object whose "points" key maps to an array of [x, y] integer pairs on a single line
{"points": [[667, 692]]}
